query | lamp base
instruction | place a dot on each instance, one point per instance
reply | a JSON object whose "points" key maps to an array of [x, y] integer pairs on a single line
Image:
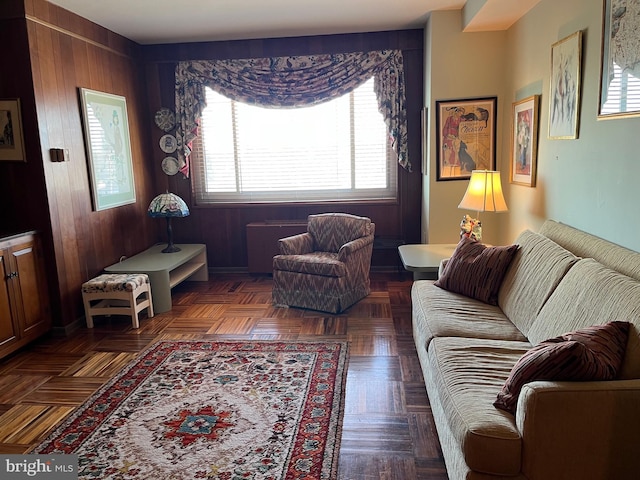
{"points": [[471, 228], [171, 248]]}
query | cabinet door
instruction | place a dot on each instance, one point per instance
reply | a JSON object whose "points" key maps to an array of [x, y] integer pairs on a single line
{"points": [[32, 288], [8, 330]]}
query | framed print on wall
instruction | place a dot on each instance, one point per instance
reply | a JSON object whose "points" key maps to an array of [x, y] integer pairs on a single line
{"points": [[106, 134], [465, 137], [620, 62], [524, 141], [11, 139], [564, 94]]}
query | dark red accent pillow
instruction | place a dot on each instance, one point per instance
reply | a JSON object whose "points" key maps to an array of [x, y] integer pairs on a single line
{"points": [[476, 270], [589, 354]]}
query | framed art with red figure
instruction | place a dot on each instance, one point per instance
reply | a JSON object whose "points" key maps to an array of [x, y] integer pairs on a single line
{"points": [[524, 141], [465, 137]]}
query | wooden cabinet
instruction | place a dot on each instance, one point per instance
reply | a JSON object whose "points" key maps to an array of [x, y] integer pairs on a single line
{"points": [[24, 300]]}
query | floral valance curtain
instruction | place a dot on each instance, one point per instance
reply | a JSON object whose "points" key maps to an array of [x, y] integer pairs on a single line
{"points": [[287, 82]]}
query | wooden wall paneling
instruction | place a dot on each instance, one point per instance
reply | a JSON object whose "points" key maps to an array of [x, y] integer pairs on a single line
{"points": [[155, 102], [22, 185], [43, 80], [93, 223], [12, 9], [75, 67], [412, 182], [68, 52], [45, 43], [49, 83]]}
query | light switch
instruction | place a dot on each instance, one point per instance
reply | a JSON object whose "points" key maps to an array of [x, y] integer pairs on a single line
{"points": [[59, 154]]}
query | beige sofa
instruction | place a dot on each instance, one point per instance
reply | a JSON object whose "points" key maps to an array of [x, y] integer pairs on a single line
{"points": [[561, 279]]}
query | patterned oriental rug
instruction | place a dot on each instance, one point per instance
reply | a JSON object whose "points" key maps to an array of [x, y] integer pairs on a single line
{"points": [[213, 410]]}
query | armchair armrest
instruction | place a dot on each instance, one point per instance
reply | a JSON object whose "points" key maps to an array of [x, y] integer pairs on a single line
{"points": [[296, 244], [351, 247], [579, 429]]}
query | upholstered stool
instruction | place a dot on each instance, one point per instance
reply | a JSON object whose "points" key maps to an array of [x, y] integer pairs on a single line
{"points": [[117, 294]]}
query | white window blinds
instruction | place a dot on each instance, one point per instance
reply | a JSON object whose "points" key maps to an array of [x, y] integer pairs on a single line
{"points": [[335, 151]]}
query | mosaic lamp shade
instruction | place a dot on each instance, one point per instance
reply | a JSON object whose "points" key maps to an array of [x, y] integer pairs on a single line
{"points": [[168, 205], [484, 194]]}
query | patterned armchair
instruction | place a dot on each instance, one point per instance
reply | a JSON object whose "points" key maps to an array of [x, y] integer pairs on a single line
{"points": [[326, 268]]}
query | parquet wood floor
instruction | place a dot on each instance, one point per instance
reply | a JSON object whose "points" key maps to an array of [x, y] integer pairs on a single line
{"points": [[388, 430]]}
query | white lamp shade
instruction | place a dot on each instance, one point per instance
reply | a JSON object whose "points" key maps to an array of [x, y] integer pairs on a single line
{"points": [[484, 193]]}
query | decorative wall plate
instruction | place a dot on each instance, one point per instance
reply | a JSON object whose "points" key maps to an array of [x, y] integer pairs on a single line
{"points": [[170, 165], [168, 143], [165, 119]]}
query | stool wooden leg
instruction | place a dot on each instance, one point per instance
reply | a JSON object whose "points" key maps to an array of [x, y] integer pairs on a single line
{"points": [[87, 311], [134, 311]]}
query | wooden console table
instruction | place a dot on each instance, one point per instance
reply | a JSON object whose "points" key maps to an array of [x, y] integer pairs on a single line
{"points": [[166, 270]]}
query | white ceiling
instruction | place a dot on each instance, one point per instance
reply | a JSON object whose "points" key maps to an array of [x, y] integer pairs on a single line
{"points": [[177, 21]]}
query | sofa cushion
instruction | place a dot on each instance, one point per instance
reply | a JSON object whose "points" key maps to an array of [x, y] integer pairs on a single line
{"points": [[588, 354], [534, 273], [465, 374], [440, 313], [476, 271], [592, 294], [583, 244]]}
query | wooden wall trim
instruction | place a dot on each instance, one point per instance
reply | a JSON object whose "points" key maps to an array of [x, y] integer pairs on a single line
{"points": [[77, 36], [405, 40]]}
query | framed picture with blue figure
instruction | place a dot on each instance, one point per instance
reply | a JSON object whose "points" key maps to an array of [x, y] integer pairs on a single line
{"points": [[106, 132], [524, 141], [465, 137]]}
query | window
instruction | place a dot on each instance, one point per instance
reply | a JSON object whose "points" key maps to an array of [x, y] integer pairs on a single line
{"points": [[335, 151]]}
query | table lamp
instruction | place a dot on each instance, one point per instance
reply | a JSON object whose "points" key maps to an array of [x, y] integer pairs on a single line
{"points": [[168, 205], [484, 194]]}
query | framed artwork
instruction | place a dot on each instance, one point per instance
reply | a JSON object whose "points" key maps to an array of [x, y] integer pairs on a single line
{"points": [[106, 134], [524, 141], [564, 94], [465, 136], [11, 139], [620, 62]]}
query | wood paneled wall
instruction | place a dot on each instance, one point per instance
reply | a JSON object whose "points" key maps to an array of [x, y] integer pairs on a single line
{"points": [[223, 229], [56, 53]]}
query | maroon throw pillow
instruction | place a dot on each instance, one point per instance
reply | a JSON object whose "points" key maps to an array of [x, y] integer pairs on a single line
{"points": [[589, 354], [476, 270]]}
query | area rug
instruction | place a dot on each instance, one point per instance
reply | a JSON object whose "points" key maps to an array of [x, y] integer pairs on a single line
{"points": [[213, 410]]}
